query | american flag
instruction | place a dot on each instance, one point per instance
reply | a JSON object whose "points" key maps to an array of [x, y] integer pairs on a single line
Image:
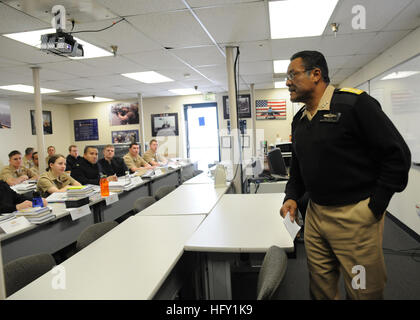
{"points": [[271, 109]]}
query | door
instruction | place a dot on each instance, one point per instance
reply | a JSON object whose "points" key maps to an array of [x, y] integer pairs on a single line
{"points": [[202, 128]]}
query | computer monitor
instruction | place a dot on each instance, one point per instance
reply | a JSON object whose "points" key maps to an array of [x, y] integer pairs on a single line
{"points": [[276, 163]]}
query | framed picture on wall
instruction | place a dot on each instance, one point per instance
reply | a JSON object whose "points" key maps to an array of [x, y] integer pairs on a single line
{"points": [[123, 113], [85, 130], [5, 119], [165, 124], [46, 119], [125, 136], [244, 106]]}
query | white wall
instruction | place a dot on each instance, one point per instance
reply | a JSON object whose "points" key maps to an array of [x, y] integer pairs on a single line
{"points": [[19, 137], [402, 205], [176, 104]]}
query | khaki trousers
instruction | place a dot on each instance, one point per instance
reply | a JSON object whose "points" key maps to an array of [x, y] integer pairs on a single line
{"points": [[346, 239]]}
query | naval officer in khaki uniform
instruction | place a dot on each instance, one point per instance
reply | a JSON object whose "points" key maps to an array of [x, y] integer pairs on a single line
{"points": [[132, 159], [55, 179], [152, 157], [15, 173]]}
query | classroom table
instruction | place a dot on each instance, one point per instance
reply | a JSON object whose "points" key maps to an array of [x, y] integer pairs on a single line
{"points": [[239, 223], [132, 261], [125, 202], [169, 178], [202, 178], [49, 237], [187, 200]]}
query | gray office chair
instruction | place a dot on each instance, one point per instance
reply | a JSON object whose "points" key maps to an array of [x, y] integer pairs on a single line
{"points": [[21, 272], [94, 232], [143, 202], [197, 172], [163, 191], [271, 274]]}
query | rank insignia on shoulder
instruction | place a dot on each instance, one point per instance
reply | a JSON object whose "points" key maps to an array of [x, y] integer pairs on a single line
{"points": [[352, 90], [331, 117]]}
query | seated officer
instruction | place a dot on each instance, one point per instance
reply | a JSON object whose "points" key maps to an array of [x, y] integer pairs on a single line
{"points": [[55, 179], [152, 157], [35, 160], [72, 158], [87, 170], [111, 165], [11, 201], [15, 173], [132, 159], [28, 158], [51, 152]]}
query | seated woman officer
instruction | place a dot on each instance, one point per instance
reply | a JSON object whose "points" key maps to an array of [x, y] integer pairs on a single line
{"points": [[55, 179]]}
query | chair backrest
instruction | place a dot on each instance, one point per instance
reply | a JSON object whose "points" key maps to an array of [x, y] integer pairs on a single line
{"points": [[94, 232], [272, 273], [163, 191], [143, 202], [22, 271]]}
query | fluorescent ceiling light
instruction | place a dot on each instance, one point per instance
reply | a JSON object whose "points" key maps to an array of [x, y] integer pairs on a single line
{"points": [[147, 77], [33, 38], [25, 88], [399, 75], [299, 18], [184, 92], [280, 84], [280, 66], [94, 99]]}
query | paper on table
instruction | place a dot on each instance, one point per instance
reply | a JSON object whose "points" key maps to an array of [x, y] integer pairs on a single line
{"points": [[292, 227]]}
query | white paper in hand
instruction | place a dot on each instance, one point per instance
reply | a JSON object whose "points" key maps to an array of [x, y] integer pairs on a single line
{"points": [[292, 227]]}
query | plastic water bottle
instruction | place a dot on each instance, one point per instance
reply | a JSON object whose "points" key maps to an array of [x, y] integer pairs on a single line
{"points": [[127, 177], [104, 186], [37, 200]]}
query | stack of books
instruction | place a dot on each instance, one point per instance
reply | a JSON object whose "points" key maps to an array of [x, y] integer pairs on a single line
{"points": [[120, 185], [36, 215], [78, 192], [6, 217]]}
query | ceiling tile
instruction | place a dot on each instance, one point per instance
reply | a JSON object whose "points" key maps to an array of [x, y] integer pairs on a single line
{"points": [[173, 29], [244, 22], [378, 14], [200, 56], [12, 20], [135, 7]]}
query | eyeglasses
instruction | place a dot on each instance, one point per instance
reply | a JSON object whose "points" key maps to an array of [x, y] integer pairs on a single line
{"points": [[292, 75]]}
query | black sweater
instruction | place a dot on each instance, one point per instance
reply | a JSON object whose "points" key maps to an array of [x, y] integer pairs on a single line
{"points": [[360, 156], [86, 172], [9, 198], [117, 166]]}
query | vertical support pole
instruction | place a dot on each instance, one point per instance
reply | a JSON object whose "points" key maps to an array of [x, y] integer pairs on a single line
{"points": [[254, 122], [39, 120], [141, 123], [235, 150]]}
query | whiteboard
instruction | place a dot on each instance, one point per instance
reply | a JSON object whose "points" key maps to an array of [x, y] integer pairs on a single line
{"points": [[400, 100]]}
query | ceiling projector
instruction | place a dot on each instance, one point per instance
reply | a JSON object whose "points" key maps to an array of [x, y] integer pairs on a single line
{"points": [[61, 43]]}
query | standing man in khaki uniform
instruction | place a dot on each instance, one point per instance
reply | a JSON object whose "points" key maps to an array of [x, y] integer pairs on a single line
{"points": [[51, 152], [132, 159], [152, 157], [15, 173], [351, 159]]}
